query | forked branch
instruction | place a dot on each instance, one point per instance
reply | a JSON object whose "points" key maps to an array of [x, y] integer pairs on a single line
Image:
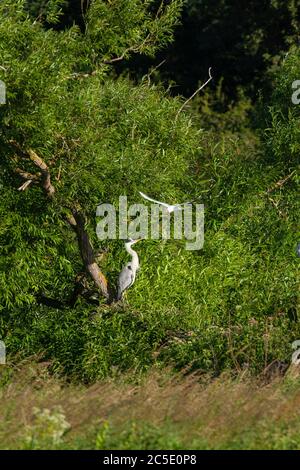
{"points": [[43, 176], [46, 179]]}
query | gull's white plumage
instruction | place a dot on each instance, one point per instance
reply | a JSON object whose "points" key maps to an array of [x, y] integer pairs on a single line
{"points": [[170, 207]]}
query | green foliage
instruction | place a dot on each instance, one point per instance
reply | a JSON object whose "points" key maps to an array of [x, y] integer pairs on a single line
{"points": [[234, 304], [282, 135], [119, 28], [137, 435]]}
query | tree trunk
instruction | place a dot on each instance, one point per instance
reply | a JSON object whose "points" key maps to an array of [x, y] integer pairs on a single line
{"points": [[87, 252]]}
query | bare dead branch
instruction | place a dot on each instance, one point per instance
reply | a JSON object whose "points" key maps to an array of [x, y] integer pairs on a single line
{"points": [[194, 94], [28, 176], [44, 175], [25, 185], [281, 182], [46, 179]]}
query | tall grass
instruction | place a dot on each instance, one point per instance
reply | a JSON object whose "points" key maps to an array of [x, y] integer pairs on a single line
{"points": [[163, 411]]}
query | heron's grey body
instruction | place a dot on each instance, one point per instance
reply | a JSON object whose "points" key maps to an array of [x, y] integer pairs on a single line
{"points": [[128, 273]]}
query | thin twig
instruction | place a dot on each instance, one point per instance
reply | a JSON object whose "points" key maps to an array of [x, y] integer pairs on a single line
{"points": [[276, 204], [78, 75], [135, 49], [153, 70], [194, 94], [281, 182]]}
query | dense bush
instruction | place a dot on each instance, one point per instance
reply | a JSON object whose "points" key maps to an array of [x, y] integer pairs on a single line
{"points": [[233, 304]]}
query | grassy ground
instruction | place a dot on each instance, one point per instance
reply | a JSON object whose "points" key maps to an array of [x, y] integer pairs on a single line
{"points": [[39, 411]]}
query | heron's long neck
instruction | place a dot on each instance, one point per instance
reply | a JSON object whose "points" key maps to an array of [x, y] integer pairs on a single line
{"points": [[134, 256]]}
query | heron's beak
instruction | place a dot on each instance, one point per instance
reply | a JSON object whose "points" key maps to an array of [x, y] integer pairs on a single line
{"points": [[138, 240]]}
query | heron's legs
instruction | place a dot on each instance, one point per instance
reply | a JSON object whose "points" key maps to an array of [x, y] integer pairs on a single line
{"points": [[125, 299]]}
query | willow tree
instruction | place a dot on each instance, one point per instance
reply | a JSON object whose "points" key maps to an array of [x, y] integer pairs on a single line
{"points": [[72, 135]]}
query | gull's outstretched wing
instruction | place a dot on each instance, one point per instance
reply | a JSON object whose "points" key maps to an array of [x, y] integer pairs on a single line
{"points": [[180, 206], [189, 203], [153, 200]]}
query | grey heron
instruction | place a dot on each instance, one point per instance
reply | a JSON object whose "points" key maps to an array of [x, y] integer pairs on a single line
{"points": [[128, 273], [169, 207]]}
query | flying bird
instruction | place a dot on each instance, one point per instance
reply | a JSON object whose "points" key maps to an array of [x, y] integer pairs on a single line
{"points": [[128, 273], [170, 207]]}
